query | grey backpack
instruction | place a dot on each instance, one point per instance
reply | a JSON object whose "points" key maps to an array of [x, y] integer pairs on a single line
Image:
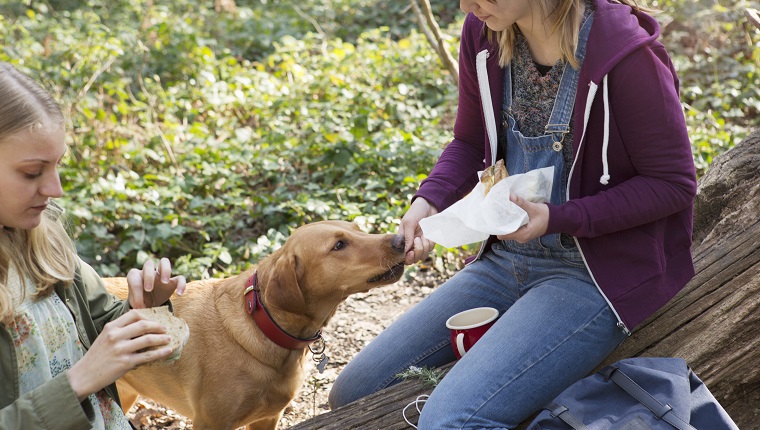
{"points": [[636, 394]]}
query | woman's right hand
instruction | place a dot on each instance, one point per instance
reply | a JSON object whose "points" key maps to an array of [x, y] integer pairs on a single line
{"points": [[119, 348], [417, 246]]}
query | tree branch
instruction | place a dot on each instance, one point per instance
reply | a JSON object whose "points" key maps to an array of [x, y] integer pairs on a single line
{"points": [[432, 32], [754, 16]]}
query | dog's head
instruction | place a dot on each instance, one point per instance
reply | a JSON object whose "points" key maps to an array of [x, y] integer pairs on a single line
{"points": [[325, 262]]}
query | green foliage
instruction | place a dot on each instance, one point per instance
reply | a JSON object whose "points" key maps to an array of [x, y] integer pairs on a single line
{"points": [[716, 51], [181, 147], [428, 375], [206, 136]]}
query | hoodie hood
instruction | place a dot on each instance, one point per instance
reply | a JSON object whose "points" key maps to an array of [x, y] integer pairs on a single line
{"points": [[618, 31]]}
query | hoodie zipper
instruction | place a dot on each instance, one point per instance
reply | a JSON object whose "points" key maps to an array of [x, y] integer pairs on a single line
{"points": [[589, 100]]}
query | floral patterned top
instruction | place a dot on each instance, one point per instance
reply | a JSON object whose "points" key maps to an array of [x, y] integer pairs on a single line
{"points": [[534, 92], [45, 338]]}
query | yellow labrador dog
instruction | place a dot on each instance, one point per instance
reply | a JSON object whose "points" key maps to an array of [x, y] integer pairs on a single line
{"points": [[251, 334]]}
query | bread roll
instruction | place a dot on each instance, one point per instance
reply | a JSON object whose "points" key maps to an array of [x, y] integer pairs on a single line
{"points": [[493, 174], [175, 327]]}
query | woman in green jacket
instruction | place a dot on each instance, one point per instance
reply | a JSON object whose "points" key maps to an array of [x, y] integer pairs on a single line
{"points": [[64, 340]]}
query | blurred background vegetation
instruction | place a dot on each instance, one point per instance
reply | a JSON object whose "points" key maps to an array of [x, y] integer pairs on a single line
{"points": [[206, 135]]}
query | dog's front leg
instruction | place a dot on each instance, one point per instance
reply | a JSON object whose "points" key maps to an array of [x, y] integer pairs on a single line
{"points": [[127, 394], [265, 423]]}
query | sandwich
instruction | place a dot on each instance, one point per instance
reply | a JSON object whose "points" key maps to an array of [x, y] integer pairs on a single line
{"points": [[176, 328], [493, 174]]}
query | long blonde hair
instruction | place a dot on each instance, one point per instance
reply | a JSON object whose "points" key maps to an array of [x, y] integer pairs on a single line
{"points": [[564, 16], [45, 255]]}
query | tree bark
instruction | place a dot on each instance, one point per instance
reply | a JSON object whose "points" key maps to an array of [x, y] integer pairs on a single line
{"points": [[713, 323], [753, 15]]}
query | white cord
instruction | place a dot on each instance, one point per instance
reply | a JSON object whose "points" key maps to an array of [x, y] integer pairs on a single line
{"points": [[422, 398], [485, 101], [605, 179]]}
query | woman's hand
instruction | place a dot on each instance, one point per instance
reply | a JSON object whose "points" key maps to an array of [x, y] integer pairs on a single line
{"points": [[538, 221], [153, 285], [118, 349], [417, 247]]}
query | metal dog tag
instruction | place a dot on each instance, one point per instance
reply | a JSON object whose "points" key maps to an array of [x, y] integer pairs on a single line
{"points": [[322, 362]]}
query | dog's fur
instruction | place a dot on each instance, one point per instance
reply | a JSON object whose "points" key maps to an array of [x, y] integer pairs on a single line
{"points": [[230, 374]]}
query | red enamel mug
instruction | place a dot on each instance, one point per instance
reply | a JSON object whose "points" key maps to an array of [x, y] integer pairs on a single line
{"points": [[468, 326]]}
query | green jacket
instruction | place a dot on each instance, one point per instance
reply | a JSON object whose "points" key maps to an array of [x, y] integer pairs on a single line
{"points": [[54, 405]]}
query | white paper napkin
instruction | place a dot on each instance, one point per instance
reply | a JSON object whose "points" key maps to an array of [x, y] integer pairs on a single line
{"points": [[478, 216]]}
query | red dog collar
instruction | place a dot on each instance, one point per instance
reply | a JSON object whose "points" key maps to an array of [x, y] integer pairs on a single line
{"points": [[265, 322]]}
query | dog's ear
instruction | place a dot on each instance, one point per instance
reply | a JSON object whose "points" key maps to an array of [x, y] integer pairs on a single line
{"points": [[282, 289]]}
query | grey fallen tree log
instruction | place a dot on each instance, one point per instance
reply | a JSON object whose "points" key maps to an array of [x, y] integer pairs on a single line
{"points": [[714, 323]]}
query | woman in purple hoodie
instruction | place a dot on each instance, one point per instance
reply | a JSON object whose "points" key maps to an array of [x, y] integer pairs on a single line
{"points": [[583, 86]]}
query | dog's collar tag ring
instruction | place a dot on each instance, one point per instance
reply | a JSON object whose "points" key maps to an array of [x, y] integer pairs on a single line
{"points": [[265, 322], [318, 355]]}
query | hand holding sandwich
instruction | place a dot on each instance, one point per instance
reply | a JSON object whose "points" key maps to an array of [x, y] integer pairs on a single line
{"points": [[124, 343], [538, 221], [136, 337], [153, 285]]}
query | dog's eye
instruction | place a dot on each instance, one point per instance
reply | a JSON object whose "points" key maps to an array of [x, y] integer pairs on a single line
{"points": [[339, 245]]}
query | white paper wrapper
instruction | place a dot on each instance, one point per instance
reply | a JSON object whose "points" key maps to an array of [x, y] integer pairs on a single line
{"points": [[476, 216]]}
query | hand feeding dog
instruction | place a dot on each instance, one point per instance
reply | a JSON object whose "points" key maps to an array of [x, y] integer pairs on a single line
{"points": [[251, 334]]}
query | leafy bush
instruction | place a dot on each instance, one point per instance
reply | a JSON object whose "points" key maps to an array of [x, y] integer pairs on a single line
{"points": [[184, 150], [206, 136], [717, 54]]}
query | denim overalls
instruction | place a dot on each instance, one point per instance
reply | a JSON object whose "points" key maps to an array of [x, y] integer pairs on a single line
{"points": [[525, 153], [555, 326]]}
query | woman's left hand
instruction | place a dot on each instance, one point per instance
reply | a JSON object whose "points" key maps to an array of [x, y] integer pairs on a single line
{"points": [[538, 221], [153, 285]]}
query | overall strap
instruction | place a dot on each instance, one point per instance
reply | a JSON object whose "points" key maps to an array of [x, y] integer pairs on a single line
{"points": [[559, 121]]}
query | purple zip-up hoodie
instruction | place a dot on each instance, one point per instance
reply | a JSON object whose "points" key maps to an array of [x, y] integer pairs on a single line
{"points": [[632, 185]]}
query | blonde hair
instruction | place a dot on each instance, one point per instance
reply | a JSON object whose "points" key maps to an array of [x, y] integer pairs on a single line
{"points": [[564, 16], [45, 255]]}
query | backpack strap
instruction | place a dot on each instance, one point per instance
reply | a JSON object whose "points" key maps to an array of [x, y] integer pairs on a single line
{"points": [[660, 411], [561, 412]]}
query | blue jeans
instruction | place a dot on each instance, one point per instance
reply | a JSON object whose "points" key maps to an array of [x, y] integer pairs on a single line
{"points": [[555, 328]]}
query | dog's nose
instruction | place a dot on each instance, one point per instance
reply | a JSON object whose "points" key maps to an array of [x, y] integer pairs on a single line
{"points": [[398, 243]]}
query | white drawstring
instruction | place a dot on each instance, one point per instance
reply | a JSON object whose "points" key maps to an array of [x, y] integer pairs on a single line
{"points": [[422, 398], [485, 101], [605, 179], [592, 87]]}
